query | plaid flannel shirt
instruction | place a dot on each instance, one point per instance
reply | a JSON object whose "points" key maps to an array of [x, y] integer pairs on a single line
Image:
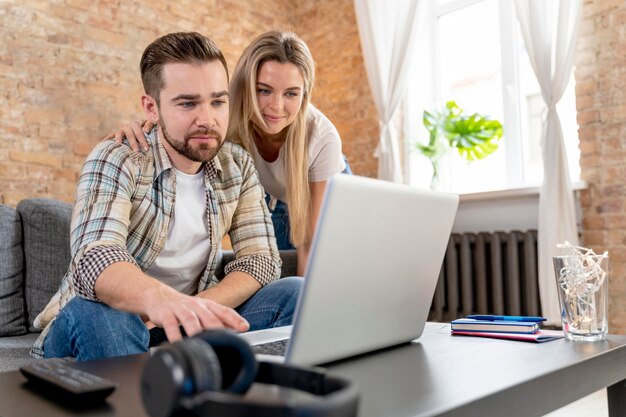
{"points": [[124, 203]]}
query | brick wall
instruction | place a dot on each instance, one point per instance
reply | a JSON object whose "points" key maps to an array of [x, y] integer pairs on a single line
{"points": [[342, 91], [69, 75], [601, 104]]}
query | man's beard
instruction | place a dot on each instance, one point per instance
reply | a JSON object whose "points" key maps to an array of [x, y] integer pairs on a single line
{"points": [[203, 153]]}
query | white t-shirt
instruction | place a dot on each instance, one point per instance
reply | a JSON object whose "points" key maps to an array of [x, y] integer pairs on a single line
{"points": [[184, 256], [325, 157]]}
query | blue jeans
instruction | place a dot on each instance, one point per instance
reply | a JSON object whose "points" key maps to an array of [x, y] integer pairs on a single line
{"points": [[280, 217], [89, 330], [280, 220]]}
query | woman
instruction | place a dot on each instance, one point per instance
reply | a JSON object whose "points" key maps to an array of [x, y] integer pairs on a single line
{"points": [[295, 147]]}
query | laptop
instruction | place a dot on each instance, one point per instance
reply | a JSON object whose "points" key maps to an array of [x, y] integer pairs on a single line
{"points": [[372, 271]]}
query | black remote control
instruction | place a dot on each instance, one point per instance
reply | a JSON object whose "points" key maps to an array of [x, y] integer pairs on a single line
{"points": [[73, 384]]}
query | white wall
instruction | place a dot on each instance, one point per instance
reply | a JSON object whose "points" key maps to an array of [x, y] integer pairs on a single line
{"points": [[502, 211]]}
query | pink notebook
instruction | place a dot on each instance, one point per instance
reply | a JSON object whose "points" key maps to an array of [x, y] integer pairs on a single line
{"points": [[539, 337]]}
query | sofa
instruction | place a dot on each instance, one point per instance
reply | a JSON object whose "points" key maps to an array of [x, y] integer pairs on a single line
{"points": [[34, 256]]}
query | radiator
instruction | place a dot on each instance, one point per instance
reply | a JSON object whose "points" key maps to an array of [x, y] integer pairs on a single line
{"points": [[488, 273]]}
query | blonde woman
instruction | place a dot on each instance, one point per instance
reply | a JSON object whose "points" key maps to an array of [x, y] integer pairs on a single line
{"points": [[296, 149]]}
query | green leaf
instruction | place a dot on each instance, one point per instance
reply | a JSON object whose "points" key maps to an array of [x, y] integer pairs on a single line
{"points": [[474, 136]]}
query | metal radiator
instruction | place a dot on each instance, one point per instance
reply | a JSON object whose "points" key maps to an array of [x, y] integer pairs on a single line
{"points": [[488, 273]]}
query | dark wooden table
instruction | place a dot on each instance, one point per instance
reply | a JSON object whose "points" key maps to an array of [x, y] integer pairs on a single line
{"points": [[438, 375]]}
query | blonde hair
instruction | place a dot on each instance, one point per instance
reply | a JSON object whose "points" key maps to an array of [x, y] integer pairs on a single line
{"points": [[281, 47]]}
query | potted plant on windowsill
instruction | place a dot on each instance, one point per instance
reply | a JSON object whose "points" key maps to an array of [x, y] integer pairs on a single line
{"points": [[474, 136]]}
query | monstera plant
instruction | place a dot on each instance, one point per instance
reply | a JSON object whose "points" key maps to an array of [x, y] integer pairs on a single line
{"points": [[474, 136]]}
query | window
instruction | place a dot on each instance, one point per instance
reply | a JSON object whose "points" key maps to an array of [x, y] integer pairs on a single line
{"points": [[472, 52]]}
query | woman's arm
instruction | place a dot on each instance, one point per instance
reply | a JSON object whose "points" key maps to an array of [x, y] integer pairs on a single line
{"points": [[317, 194], [134, 133]]}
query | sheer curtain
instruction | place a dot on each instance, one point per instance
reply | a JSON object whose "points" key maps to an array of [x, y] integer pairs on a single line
{"points": [[387, 32], [550, 30]]}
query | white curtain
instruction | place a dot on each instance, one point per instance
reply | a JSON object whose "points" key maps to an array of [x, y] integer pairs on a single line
{"points": [[550, 30], [387, 31]]}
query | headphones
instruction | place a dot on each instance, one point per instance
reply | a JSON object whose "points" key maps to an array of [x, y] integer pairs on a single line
{"points": [[207, 375]]}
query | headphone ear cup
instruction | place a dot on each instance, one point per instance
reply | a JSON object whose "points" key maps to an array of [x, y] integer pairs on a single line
{"points": [[164, 381], [203, 364], [237, 362]]}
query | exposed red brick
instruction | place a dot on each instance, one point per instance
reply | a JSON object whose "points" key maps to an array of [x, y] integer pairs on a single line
{"points": [[70, 71], [601, 7], [35, 158], [594, 222], [594, 238], [601, 101]]}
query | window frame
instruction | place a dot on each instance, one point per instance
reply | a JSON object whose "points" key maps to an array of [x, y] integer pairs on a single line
{"points": [[514, 143]]}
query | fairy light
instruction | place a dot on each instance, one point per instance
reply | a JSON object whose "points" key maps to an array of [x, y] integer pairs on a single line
{"points": [[580, 278]]}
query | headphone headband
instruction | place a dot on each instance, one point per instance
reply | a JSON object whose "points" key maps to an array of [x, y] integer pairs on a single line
{"points": [[314, 381], [338, 397]]}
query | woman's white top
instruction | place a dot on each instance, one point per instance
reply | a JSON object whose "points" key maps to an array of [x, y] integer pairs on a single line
{"points": [[325, 156]]}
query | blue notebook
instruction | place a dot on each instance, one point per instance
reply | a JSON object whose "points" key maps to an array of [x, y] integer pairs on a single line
{"points": [[472, 325]]}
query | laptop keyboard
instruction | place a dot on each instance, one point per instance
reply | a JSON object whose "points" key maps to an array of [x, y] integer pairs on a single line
{"points": [[276, 348]]}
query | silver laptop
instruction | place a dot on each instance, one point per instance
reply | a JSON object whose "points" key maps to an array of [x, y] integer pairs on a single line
{"points": [[372, 270]]}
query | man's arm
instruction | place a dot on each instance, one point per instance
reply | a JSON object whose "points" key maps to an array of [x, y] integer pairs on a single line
{"points": [[251, 230], [125, 287], [103, 268], [233, 290], [101, 215]]}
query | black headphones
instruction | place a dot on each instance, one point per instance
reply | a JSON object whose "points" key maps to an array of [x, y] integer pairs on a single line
{"points": [[206, 375]]}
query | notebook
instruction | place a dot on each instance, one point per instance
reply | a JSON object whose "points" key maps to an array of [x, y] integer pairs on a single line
{"points": [[502, 326], [372, 271]]}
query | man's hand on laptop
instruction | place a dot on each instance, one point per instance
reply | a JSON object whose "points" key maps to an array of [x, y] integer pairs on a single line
{"points": [[194, 314]]}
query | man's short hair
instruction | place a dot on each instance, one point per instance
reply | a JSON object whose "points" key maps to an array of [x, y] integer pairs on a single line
{"points": [[181, 47]]}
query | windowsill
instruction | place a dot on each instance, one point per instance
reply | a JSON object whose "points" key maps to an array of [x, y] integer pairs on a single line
{"points": [[512, 193]]}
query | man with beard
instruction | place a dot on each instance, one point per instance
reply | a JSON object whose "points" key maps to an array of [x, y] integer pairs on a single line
{"points": [[146, 228]]}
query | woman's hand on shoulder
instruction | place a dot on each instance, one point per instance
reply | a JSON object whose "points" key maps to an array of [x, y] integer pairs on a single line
{"points": [[134, 133]]}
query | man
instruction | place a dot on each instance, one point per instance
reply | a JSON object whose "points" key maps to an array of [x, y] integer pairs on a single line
{"points": [[146, 228]]}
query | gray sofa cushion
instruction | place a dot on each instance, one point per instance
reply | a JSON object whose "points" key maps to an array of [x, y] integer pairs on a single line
{"points": [[289, 259], [12, 315], [290, 263], [47, 256], [14, 351]]}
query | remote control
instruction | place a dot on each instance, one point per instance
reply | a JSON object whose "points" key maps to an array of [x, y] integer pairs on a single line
{"points": [[72, 383]]}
